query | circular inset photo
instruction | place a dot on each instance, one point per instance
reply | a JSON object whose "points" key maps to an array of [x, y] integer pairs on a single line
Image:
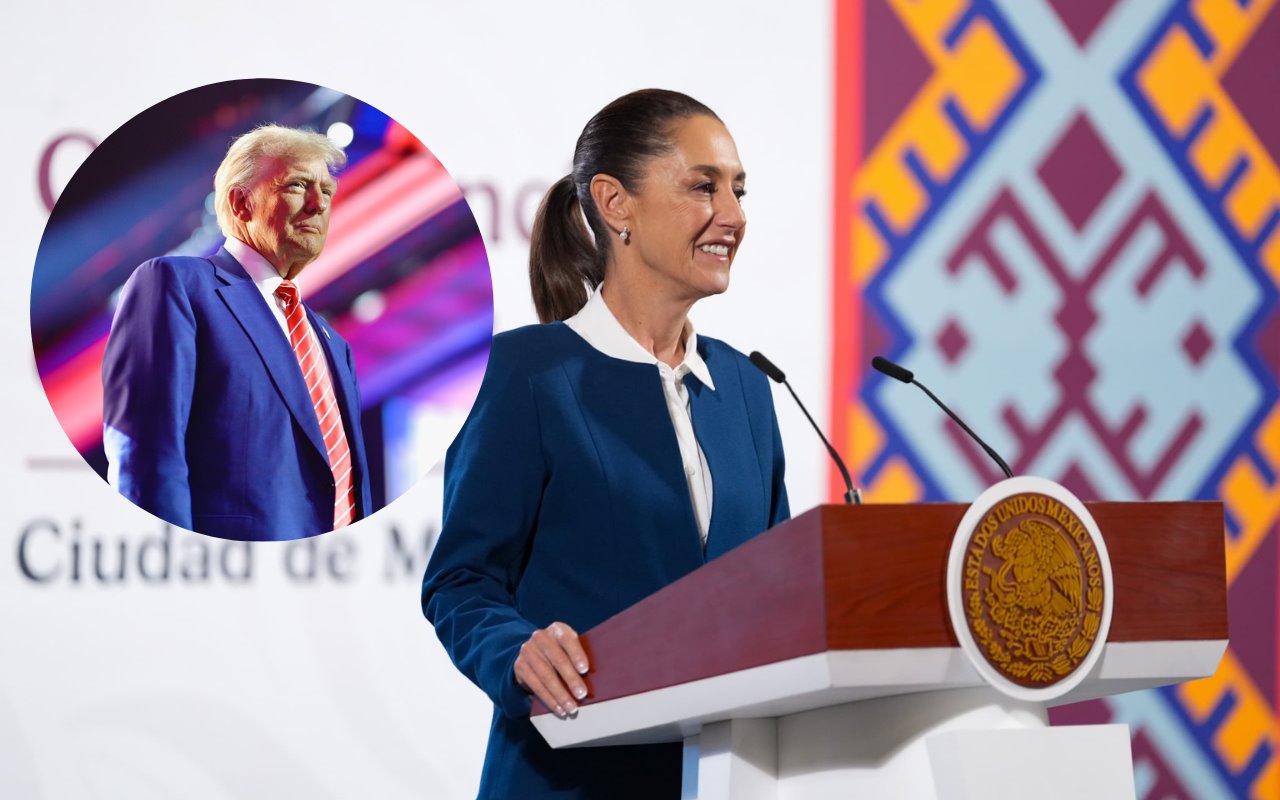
{"points": [[261, 309]]}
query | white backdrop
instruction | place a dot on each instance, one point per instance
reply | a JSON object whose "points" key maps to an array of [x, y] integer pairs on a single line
{"points": [[307, 669]]}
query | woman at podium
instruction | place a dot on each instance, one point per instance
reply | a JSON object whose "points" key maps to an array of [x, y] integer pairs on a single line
{"points": [[611, 450]]}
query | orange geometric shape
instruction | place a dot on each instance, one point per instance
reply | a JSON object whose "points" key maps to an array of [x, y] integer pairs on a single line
{"points": [[897, 193], [1215, 151], [869, 251], [1200, 697], [929, 21], [865, 437], [895, 483], [1246, 68], [988, 76], [1254, 505], [1269, 255], [1221, 19], [1267, 785], [940, 148], [1173, 81], [1248, 725], [1252, 200]]}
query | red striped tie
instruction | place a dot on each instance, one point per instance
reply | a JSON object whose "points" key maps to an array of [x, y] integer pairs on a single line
{"points": [[316, 374]]}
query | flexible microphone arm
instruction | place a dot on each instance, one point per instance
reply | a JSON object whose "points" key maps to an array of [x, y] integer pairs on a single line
{"points": [[852, 496], [905, 375]]}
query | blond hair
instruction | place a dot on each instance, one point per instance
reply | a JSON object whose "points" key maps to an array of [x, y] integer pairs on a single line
{"points": [[240, 166]]}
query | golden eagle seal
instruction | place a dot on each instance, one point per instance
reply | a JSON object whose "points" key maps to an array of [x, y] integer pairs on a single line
{"points": [[1032, 589], [1041, 571]]}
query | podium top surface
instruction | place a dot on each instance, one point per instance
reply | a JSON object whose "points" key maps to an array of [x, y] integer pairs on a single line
{"points": [[872, 577]]}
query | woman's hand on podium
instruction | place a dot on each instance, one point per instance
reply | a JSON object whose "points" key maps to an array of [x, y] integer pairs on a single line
{"points": [[550, 667]]}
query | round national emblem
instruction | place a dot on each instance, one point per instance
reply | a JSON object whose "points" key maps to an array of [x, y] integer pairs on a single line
{"points": [[1029, 588]]}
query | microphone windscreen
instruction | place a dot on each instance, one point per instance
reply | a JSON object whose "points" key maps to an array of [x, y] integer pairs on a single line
{"points": [[893, 370], [766, 366]]}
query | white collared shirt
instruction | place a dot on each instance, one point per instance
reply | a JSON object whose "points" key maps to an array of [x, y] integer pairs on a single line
{"points": [[600, 328], [267, 279]]}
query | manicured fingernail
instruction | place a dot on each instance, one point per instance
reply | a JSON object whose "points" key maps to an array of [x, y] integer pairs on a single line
{"points": [[570, 708], [580, 692], [582, 667], [560, 712]]}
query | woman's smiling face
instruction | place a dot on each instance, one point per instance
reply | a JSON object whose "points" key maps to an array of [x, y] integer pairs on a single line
{"points": [[687, 220]]}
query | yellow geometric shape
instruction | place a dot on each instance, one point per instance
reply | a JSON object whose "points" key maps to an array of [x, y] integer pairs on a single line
{"points": [[1269, 255], [979, 74], [1269, 440], [1221, 19], [1251, 501], [1250, 722], [898, 195], [1230, 27], [929, 21], [1252, 200], [1237, 739], [1179, 83], [896, 483], [865, 437], [1252, 506], [941, 149], [1215, 151], [1173, 81], [1267, 785], [869, 250], [987, 74], [1199, 697]]}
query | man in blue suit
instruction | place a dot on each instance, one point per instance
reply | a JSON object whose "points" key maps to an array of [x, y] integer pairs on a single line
{"points": [[229, 407]]}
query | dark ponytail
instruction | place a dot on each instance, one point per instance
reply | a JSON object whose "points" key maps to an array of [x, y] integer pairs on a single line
{"points": [[564, 261]]}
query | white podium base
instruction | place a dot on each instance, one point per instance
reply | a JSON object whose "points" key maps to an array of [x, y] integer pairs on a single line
{"points": [[950, 745]]}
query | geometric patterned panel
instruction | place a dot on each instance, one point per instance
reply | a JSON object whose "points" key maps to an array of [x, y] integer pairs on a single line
{"points": [[978, 75], [1204, 81], [1064, 216]]}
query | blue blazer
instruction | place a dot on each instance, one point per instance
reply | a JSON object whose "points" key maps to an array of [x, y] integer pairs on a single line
{"points": [[565, 499], [207, 420]]}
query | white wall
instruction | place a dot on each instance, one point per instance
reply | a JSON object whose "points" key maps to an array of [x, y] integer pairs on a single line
{"points": [[328, 686]]}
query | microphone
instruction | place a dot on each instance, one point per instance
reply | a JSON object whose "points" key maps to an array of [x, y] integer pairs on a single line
{"points": [[852, 496], [905, 375]]}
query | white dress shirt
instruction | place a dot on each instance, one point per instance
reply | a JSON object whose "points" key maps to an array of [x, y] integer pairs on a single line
{"points": [[600, 328], [264, 275]]}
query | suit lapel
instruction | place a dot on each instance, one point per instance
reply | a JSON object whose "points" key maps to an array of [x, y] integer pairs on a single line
{"points": [[724, 433], [248, 307]]}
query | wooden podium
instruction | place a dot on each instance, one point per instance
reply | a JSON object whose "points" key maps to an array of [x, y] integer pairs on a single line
{"points": [[819, 660]]}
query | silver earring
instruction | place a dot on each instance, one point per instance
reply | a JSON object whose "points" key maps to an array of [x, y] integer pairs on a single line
{"points": [[626, 234]]}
